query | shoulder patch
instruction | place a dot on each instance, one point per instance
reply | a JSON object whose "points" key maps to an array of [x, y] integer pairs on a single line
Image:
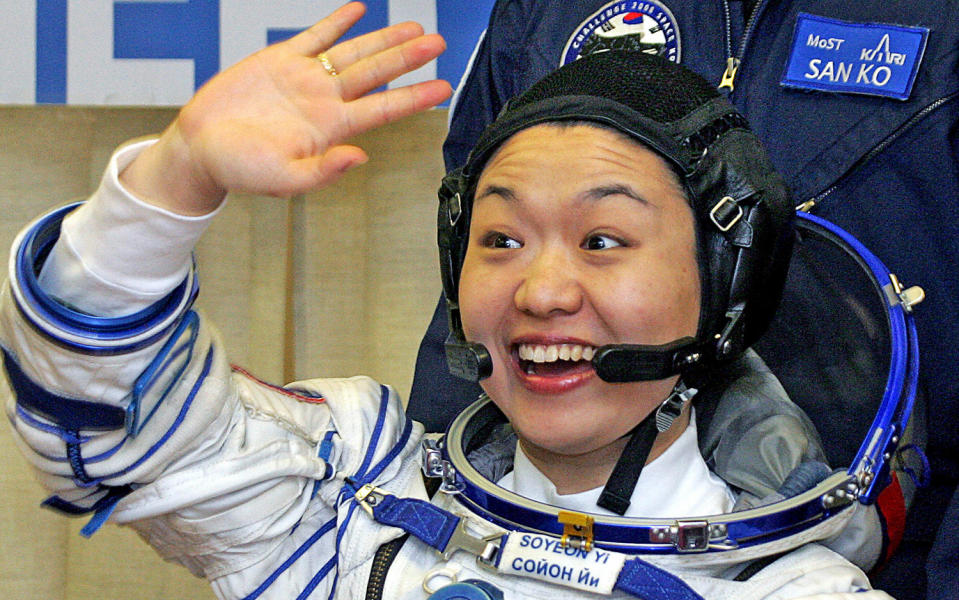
{"points": [[874, 59], [644, 25]]}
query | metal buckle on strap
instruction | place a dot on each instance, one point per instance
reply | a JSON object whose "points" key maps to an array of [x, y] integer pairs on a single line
{"points": [[369, 496], [434, 465], [672, 406], [726, 213], [692, 536], [485, 549], [432, 456]]}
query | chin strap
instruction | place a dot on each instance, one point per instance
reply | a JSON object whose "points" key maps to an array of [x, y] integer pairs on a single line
{"points": [[618, 491]]}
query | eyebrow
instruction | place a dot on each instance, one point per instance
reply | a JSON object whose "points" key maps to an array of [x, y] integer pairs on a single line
{"points": [[616, 189], [497, 190], [596, 193]]}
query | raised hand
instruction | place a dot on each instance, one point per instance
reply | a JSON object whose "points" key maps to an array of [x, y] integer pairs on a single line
{"points": [[276, 122]]}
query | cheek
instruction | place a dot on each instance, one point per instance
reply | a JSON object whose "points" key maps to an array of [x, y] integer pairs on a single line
{"points": [[682, 288], [688, 295], [661, 298], [475, 300]]}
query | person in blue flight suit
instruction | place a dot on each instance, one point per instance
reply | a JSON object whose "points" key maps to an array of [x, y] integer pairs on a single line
{"points": [[858, 106]]}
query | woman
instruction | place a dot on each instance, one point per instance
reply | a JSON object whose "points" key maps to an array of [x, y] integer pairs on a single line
{"points": [[615, 237]]}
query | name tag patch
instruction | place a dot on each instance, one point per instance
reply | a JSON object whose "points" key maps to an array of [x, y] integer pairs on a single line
{"points": [[859, 58], [544, 558]]}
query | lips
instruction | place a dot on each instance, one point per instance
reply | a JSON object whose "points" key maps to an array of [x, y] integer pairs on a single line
{"points": [[553, 368]]}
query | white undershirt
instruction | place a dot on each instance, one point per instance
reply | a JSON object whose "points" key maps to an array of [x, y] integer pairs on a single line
{"points": [[116, 254], [676, 484]]}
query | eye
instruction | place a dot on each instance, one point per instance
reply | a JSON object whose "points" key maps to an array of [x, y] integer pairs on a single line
{"points": [[598, 241], [500, 240]]}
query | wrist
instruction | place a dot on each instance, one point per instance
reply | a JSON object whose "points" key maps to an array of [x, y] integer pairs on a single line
{"points": [[166, 175]]}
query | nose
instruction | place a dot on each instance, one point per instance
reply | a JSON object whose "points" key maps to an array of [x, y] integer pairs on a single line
{"points": [[549, 285]]}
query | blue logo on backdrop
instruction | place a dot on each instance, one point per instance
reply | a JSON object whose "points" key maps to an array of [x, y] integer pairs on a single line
{"points": [[858, 58], [51, 86], [192, 30], [170, 30]]}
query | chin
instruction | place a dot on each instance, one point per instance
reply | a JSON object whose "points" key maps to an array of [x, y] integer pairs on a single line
{"points": [[561, 443]]}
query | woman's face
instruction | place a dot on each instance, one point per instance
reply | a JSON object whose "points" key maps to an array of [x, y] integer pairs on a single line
{"points": [[579, 238]]}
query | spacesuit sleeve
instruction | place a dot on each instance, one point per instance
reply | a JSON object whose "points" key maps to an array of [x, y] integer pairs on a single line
{"points": [[493, 77], [138, 417]]}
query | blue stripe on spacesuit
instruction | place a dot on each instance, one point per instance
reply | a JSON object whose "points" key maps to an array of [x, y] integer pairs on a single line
{"points": [[326, 528], [69, 413], [341, 530], [377, 430], [362, 476], [315, 581], [391, 456], [348, 489], [207, 364], [138, 412], [34, 249], [65, 435]]}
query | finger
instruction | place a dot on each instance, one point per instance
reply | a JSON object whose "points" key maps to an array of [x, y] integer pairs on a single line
{"points": [[324, 33], [319, 171], [349, 52], [381, 68], [391, 105]]}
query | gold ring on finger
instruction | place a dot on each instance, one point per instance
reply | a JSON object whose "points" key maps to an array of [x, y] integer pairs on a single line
{"points": [[325, 61]]}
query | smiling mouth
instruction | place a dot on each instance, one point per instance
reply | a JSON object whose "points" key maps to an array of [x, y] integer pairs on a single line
{"points": [[553, 360]]}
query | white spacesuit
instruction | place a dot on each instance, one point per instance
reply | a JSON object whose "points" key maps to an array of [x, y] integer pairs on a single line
{"points": [[303, 491]]}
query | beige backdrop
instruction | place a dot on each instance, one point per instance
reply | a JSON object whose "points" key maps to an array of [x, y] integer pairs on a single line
{"points": [[336, 283]]}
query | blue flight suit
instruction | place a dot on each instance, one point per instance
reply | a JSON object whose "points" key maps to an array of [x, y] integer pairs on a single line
{"points": [[883, 168]]}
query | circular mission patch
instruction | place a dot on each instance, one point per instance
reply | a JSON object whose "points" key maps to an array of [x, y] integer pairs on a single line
{"points": [[644, 25]]}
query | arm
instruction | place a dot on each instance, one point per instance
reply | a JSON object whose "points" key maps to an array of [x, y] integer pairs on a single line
{"points": [[76, 382], [493, 76]]}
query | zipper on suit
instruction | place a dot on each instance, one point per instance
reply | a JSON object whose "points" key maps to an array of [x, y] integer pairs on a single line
{"points": [[382, 561], [728, 82], [816, 200]]}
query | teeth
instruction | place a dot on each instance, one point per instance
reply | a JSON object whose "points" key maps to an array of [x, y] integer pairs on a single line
{"points": [[539, 353]]}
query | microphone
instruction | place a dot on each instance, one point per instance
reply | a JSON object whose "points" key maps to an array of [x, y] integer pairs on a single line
{"points": [[623, 363], [468, 360], [614, 363]]}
